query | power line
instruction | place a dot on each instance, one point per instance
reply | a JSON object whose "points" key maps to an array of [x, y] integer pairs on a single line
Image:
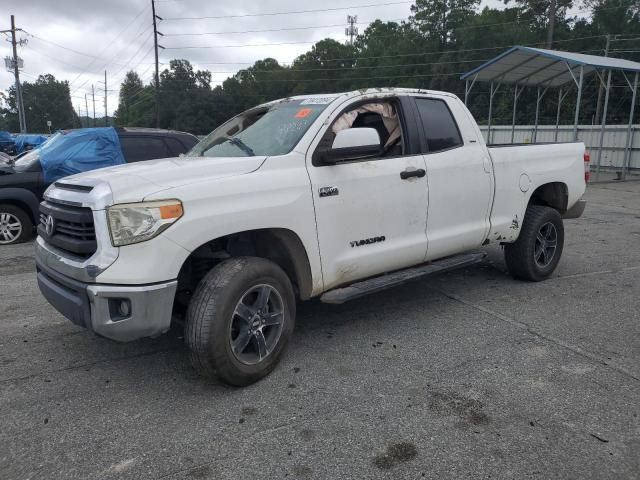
{"points": [[251, 31], [109, 45], [292, 12], [358, 58], [60, 46]]}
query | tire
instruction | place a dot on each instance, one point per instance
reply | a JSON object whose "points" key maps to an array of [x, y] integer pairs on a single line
{"points": [[526, 258], [15, 225], [216, 320]]}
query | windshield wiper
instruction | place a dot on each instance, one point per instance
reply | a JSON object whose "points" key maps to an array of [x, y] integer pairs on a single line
{"points": [[241, 145]]}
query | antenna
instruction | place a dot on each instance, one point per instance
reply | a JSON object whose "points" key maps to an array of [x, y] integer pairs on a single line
{"points": [[351, 31]]}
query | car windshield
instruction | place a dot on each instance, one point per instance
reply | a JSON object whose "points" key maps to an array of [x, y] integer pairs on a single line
{"points": [[262, 131], [26, 161]]}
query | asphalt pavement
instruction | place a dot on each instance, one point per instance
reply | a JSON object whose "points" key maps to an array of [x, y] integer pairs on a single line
{"points": [[467, 375]]}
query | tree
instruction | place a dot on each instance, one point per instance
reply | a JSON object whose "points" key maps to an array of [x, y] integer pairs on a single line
{"points": [[46, 99], [186, 99], [133, 102], [438, 20], [323, 68]]}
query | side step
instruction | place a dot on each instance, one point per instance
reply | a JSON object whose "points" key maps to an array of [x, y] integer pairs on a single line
{"points": [[376, 284]]}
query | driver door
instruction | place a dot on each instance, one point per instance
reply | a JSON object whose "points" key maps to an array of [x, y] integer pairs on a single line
{"points": [[371, 213]]}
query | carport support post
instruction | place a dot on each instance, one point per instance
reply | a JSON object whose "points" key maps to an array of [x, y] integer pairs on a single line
{"points": [[491, 92], [626, 163], [535, 127], [558, 115], [603, 124], [491, 95], [515, 108], [578, 100], [466, 91]]}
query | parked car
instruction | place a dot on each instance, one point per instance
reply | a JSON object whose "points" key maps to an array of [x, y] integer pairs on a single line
{"points": [[24, 178], [16, 144], [330, 196]]}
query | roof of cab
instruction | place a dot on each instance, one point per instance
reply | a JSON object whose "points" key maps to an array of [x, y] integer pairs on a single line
{"points": [[362, 92]]}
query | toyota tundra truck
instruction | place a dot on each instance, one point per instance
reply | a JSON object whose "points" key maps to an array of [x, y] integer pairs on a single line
{"points": [[332, 196]]}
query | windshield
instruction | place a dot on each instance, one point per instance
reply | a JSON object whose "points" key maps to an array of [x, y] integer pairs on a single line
{"points": [[26, 161], [272, 130]]}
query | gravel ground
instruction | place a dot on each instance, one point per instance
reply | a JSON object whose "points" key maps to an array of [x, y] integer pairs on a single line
{"points": [[467, 375]]}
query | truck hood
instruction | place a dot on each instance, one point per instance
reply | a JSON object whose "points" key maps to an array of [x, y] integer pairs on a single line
{"points": [[132, 182]]}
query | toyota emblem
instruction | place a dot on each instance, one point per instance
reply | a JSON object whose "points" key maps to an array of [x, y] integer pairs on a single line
{"points": [[49, 225]]}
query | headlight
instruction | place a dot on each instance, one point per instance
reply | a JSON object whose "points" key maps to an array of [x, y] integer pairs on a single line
{"points": [[138, 222]]}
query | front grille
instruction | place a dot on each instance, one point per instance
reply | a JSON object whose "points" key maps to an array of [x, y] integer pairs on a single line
{"points": [[68, 228]]}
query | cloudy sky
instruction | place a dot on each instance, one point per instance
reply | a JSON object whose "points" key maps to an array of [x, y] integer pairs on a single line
{"points": [[77, 40]]}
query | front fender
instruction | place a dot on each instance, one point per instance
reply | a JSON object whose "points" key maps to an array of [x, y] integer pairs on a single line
{"points": [[23, 196]]}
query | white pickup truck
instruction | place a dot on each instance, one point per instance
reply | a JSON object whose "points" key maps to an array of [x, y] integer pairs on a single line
{"points": [[331, 196]]}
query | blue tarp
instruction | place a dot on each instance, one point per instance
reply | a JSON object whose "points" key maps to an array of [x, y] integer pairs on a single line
{"points": [[7, 141], [6, 137], [22, 141], [79, 151]]}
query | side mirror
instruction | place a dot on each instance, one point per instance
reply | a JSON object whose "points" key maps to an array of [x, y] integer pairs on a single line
{"points": [[352, 144]]}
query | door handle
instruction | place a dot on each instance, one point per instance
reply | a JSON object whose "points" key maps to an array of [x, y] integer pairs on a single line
{"points": [[405, 174]]}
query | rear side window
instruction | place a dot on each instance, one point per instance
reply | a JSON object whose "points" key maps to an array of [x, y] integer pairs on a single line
{"points": [[440, 127], [137, 149], [176, 146]]}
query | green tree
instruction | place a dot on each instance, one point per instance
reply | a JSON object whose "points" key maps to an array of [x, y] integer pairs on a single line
{"points": [[134, 102], [46, 99], [438, 20], [323, 69]]}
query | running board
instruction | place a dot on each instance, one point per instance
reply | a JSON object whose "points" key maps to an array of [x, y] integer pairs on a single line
{"points": [[376, 284]]}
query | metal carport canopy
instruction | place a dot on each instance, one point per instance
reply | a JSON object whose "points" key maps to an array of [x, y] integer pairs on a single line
{"points": [[527, 66], [547, 68]]}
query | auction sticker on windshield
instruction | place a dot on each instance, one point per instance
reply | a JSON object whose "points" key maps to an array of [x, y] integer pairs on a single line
{"points": [[303, 113]]}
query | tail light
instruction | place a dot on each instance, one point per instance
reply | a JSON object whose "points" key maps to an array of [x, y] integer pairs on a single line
{"points": [[587, 167]]}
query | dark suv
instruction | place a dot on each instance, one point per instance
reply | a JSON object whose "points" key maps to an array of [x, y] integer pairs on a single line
{"points": [[24, 179]]}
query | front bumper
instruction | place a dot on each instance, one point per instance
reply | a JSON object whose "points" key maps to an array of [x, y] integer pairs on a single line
{"points": [[119, 312], [576, 211]]}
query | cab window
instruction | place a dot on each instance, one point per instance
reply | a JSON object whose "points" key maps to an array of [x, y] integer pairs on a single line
{"points": [[381, 115], [440, 128]]}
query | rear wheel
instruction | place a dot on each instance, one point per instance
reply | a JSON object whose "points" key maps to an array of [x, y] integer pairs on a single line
{"points": [[536, 253], [15, 225], [240, 320]]}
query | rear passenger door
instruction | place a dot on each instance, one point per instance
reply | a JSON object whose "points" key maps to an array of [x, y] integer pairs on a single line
{"points": [[137, 148], [459, 177]]}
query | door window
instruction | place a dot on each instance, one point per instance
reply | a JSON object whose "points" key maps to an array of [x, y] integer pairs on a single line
{"points": [[440, 127], [137, 149], [383, 116]]}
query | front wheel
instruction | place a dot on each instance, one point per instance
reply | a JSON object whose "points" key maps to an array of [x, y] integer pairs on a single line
{"points": [[536, 253], [15, 225], [240, 320]]}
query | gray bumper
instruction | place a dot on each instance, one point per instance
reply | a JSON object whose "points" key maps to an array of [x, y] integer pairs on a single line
{"points": [[119, 312], [575, 211]]}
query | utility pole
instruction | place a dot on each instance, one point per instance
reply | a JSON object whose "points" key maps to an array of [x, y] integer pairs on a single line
{"points": [[351, 31], [16, 72], [155, 47], [553, 6], [106, 116], [93, 96], [599, 102], [86, 107]]}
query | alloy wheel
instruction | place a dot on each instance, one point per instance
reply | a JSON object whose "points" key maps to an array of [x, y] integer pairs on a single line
{"points": [[10, 228], [257, 324]]}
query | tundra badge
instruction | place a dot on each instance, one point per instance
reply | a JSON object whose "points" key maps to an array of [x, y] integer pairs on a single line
{"points": [[329, 191]]}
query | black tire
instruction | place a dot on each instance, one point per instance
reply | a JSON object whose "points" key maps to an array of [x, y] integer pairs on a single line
{"points": [[525, 259], [212, 319], [12, 214]]}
